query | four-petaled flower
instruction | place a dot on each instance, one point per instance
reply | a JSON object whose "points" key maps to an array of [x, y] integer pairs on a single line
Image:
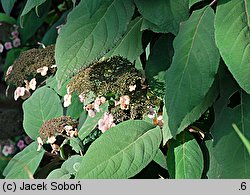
{"points": [[106, 122], [8, 45], [43, 70]]}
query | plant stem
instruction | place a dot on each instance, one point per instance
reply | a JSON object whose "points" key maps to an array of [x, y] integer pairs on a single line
{"points": [[213, 2]]}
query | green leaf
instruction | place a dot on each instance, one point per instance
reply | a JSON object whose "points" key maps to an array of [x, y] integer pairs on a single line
{"points": [[96, 27], [193, 68], [51, 35], [52, 83], [229, 158], [90, 123], [44, 104], [163, 16], [24, 164], [244, 140], [31, 22], [76, 107], [30, 4], [192, 116], [8, 5], [68, 168], [122, 151], [184, 158], [160, 159], [232, 35], [7, 19], [158, 62], [130, 45]]}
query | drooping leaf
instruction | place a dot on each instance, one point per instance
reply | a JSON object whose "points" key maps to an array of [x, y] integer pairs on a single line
{"points": [[193, 68], [8, 5], [130, 45], [44, 104], [24, 164], [68, 168], [30, 4], [7, 19], [96, 27], [91, 122], [163, 16], [31, 22], [227, 152], [122, 151], [158, 62], [232, 35], [160, 159], [184, 158]]}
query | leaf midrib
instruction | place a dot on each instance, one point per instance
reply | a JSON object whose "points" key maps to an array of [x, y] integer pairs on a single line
{"points": [[121, 151]]}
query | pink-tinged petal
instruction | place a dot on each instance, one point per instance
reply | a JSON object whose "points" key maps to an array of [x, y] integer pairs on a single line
{"points": [[43, 70], [51, 140], [21, 144], [67, 100], [8, 45], [40, 143], [9, 70], [19, 92], [124, 101], [81, 97], [91, 113], [32, 84], [132, 88], [16, 42], [15, 34], [106, 122], [1, 48], [8, 149], [59, 28], [151, 112], [26, 94]]}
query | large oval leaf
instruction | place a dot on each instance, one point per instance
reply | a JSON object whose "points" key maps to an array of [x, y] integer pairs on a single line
{"points": [[122, 151], [229, 158], [193, 68], [129, 46], [24, 164], [163, 16], [184, 158], [232, 34], [95, 28], [44, 104]]}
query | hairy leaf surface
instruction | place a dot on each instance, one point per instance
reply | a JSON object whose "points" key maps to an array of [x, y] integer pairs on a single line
{"points": [[193, 68], [232, 35], [44, 104], [92, 29], [24, 164], [122, 151]]}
